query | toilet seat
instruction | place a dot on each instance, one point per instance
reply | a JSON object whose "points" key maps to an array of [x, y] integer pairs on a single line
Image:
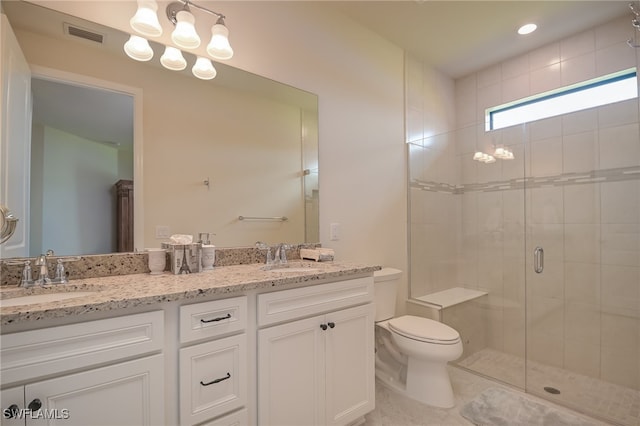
{"points": [[424, 330]]}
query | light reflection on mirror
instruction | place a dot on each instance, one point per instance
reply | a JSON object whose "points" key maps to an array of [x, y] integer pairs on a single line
{"points": [[253, 139]]}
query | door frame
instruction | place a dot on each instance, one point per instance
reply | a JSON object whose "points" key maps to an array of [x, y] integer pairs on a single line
{"points": [[65, 77]]}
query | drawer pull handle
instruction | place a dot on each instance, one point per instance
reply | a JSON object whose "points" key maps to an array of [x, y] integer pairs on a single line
{"points": [[331, 324], [228, 376], [323, 326], [216, 319]]}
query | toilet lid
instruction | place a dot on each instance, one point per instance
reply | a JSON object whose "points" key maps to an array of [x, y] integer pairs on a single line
{"points": [[424, 329]]}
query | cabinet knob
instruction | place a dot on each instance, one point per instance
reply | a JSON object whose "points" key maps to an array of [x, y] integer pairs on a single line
{"points": [[35, 405], [331, 324], [11, 412], [323, 326]]}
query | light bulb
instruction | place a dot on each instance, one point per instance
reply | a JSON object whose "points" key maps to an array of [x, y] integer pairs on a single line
{"points": [[138, 48], [145, 21], [172, 59], [478, 156], [185, 34], [219, 46], [203, 69]]}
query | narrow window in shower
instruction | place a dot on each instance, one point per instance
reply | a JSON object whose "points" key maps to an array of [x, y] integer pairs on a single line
{"points": [[611, 88]]}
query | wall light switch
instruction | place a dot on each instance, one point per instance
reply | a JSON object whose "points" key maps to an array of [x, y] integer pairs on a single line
{"points": [[162, 231], [334, 232]]}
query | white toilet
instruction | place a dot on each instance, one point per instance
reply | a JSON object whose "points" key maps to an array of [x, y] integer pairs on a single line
{"points": [[414, 359]]}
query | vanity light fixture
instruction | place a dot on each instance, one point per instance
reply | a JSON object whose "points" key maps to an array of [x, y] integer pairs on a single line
{"points": [[138, 48], [503, 153], [219, 46], [172, 59], [203, 69], [484, 158], [500, 153], [145, 22], [185, 35]]}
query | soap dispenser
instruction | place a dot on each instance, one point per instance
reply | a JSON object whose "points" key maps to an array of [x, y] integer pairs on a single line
{"points": [[208, 251]]}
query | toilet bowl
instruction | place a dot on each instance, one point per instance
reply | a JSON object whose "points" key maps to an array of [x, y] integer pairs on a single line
{"points": [[412, 352]]}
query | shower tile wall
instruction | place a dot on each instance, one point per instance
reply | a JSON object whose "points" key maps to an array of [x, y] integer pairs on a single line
{"points": [[582, 205]]}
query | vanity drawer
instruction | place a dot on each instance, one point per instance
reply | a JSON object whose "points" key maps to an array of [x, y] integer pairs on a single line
{"points": [[212, 319], [287, 305], [38, 353], [213, 379]]}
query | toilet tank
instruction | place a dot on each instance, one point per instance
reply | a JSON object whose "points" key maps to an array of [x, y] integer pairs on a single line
{"points": [[385, 289]]}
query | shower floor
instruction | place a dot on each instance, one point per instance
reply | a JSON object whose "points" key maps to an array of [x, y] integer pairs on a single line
{"points": [[587, 394]]}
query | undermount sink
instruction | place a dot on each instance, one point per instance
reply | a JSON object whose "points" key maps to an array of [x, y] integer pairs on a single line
{"points": [[43, 298]]}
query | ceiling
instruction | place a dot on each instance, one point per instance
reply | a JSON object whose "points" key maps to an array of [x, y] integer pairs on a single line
{"points": [[460, 37]]}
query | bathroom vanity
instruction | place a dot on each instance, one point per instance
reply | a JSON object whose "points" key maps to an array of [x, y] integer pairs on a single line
{"points": [[236, 345]]}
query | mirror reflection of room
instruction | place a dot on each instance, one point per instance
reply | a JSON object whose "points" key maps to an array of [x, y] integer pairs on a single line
{"points": [[209, 151]]}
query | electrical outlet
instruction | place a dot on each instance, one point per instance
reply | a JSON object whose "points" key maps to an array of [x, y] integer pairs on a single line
{"points": [[162, 231], [334, 231]]}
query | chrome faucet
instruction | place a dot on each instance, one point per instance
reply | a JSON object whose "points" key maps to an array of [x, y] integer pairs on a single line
{"points": [[42, 269], [281, 254], [43, 274], [269, 257]]}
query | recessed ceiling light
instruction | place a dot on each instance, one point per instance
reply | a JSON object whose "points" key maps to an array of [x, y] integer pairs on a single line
{"points": [[527, 29]]}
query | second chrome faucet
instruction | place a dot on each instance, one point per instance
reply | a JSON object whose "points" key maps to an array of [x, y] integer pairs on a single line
{"points": [[277, 260]]}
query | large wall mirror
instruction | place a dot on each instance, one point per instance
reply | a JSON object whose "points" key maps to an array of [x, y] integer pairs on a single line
{"points": [[200, 154]]}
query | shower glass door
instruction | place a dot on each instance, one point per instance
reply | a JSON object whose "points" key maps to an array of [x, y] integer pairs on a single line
{"points": [[535, 260], [582, 202], [468, 243]]}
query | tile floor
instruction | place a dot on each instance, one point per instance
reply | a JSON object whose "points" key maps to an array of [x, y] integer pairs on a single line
{"points": [[607, 400], [393, 409]]}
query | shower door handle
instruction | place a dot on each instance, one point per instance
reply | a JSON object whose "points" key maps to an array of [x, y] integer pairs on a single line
{"points": [[538, 260]]}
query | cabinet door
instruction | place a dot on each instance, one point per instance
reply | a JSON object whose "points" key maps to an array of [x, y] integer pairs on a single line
{"points": [[291, 374], [10, 400], [129, 393], [350, 369]]}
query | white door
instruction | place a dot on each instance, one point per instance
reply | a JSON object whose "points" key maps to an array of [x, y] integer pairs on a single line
{"points": [[125, 394], [291, 374], [15, 142], [350, 369]]}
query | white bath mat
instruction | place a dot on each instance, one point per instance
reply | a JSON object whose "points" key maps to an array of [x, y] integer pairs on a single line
{"points": [[503, 407]]}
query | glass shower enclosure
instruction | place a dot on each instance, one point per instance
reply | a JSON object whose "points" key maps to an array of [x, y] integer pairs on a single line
{"points": [[535, 259]]}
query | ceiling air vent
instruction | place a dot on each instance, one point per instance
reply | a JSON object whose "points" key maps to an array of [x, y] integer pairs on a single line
{"points": [[83, 33]]}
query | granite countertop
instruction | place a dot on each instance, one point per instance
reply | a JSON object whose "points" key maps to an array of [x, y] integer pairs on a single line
{"points": [[127, 291]]}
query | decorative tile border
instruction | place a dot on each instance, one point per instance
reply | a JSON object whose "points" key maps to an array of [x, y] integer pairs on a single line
{"points": [[565, 179]]}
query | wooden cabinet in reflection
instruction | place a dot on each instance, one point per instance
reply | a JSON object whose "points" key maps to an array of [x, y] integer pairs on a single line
{"points": [[124, 205]]}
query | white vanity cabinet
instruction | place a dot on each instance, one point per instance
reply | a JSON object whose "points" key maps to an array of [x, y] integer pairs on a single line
{"points": [[316, 354], [214, 373], [104, 372]]}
